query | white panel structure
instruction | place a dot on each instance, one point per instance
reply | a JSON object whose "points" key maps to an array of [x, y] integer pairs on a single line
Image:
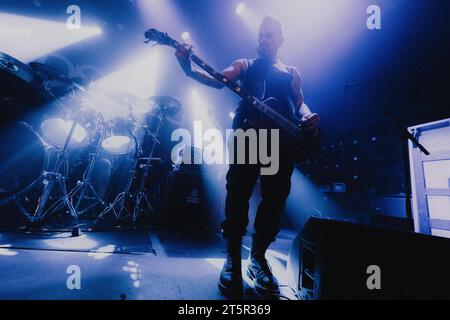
{"points": [[430, 178]]}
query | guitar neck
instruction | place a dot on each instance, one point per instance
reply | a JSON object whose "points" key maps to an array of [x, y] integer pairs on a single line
{"points": [[230, 84], [233, 86]]}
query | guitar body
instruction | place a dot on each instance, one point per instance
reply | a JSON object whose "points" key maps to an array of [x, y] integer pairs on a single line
{"points": [[299, 148]]}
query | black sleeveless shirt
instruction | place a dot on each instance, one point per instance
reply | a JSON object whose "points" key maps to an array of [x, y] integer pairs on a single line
{"points": [[264, 80]]}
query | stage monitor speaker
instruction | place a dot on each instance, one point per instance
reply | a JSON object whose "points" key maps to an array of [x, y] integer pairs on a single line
{"points": [[188, 200], [339, 260]]}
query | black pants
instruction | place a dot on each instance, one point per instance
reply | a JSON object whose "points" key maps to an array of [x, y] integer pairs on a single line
{"points": [[241, 180]]}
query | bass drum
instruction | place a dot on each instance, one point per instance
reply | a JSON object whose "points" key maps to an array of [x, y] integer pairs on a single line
{"points": [[23, 157]]}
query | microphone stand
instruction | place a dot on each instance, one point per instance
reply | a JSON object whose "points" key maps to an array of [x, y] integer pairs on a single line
{"points": [[406, 136]]}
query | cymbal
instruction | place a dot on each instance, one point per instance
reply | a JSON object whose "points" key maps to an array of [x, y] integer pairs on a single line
{"points": [[131, 102], [49, 73], [21, 90], [100, 102], [57, 83], [168, 105], [46, 72], [12, 65]]}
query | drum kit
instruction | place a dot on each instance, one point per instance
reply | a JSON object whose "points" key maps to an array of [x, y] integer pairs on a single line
{"points": [[50, 125]]}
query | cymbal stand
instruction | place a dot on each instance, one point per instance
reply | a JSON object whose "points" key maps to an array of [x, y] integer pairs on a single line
{"points": [[118, 206], [84, 187], [54, 176], [141, 194]]}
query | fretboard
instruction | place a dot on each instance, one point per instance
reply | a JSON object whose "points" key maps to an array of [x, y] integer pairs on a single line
{"points": [[232, 85]]}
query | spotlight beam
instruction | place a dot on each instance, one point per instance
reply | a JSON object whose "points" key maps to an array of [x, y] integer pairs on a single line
{"points": [[28, 39], [139, 76]]}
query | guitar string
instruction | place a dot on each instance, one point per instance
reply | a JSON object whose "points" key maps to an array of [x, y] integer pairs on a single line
{"points": [[285, 122], [288, 125]]}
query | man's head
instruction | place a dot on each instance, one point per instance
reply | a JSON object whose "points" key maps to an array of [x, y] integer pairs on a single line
{"points": [[270, 38]]}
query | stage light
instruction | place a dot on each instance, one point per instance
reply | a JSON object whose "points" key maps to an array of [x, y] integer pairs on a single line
{"points": [[231, 115], [5, 251], [133, 269], [64, 241], [185, 36], [308, 27], [240, 8], [103, 252], [305, 201], [249, 17], [140, 76], [28, 39], [199, 109], [164, 14]]}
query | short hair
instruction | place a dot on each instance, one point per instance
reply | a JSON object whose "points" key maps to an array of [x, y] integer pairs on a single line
{"points": [[273, 22]]}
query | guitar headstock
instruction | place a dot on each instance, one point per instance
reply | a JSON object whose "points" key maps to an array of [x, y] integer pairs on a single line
{"points": [[154, 35]]}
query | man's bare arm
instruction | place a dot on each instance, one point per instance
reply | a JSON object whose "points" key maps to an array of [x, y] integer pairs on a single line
{"points": [[233, 72], [297, 92], [310, 120]]}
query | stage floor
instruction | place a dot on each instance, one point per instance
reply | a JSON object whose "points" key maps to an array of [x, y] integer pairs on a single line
{"points": [[174, 264]]}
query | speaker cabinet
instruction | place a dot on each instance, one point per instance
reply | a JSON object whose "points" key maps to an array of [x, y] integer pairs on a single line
{"points": [[339, 260], [189, 200]]}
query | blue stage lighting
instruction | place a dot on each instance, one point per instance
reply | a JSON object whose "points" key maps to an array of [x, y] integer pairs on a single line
{"points": [[185, 36], [28, 38], [240, 8]]}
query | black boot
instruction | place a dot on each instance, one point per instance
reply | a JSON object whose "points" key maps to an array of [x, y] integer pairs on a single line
{"points": [[264, 282], [230, 282]]}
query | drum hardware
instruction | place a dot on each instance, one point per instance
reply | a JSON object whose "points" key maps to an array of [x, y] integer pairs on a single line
{"points": [[141, 194], [55, 126], [119, 138], [71, 131], [60, 134], [40, 190], [23, 158], [84, 187], [56, 129], [52, 177], [119, 204], [168, 105], [139, 198], [57, 84]]}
